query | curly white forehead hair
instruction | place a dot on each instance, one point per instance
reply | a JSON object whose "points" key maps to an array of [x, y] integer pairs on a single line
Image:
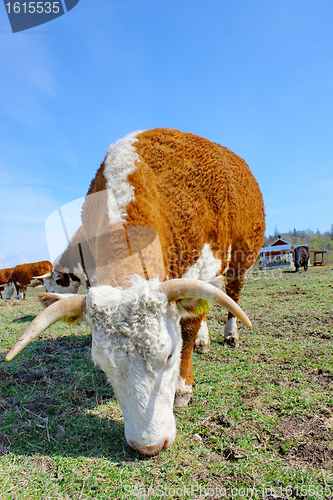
{"points": [[130, 318]]}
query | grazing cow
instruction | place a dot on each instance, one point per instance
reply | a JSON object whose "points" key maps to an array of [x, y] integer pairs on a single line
{"points": [[24, 275], [301, 256], [69, 272], [4, 275], [177, 210]]}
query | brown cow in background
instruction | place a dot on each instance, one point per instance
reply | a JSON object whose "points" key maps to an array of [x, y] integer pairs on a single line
{"points": [[4, 275], [23, 275]]}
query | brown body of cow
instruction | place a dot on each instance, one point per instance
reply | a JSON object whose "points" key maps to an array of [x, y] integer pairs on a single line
{"points": [[4, 275], [23, 275]]}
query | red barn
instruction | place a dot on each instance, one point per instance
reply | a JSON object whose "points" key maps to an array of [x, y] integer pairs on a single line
{"points": [[278, 254]]}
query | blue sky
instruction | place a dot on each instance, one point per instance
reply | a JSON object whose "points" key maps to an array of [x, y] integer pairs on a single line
{"points": [[254, 76]]}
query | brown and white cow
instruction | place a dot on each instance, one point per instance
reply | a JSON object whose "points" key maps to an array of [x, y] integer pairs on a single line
{"points": [[175, 211], [24, 275], [69, 272], [4, 275]]}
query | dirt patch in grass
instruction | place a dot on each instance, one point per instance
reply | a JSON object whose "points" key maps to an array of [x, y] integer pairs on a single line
{"points": [[28, 377], [44, 376], [312, 454], [324, 379], [64, 345], [39, 405], [308, 439], [295, 428]]}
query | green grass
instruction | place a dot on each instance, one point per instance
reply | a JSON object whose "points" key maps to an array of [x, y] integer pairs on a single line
{"points": [[260, 424]]}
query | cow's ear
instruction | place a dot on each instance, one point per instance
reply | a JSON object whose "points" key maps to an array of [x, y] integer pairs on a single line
{"points": [[58, 268], [218, 281], [46, 299], [192, 307]]}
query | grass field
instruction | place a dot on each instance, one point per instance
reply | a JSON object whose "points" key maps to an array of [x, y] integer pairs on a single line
{"points": [[260, 424]]}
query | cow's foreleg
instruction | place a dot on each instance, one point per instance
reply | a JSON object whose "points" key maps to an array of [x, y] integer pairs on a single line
{"points": [[189, 328], [202, 343], [17, 290], [233, 289]]}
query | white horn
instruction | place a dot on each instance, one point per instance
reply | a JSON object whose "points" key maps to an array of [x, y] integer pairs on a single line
{"points": [[68, 307], [186, 288], [47, 275]]}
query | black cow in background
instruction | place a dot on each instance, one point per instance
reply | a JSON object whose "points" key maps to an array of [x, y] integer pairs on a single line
{"points": [[301, 256]]}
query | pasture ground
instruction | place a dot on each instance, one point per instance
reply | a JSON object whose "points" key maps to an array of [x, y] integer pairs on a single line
{"points": [[260, 424]]}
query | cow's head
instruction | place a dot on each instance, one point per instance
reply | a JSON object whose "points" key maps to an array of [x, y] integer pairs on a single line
{"points": [[136, 340], [9, 290], [60, 281]]}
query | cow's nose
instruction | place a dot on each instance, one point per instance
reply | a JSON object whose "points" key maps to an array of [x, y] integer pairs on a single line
{"points": [[152, 449]]}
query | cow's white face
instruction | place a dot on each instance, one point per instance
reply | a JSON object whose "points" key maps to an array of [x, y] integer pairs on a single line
{"points": [[62, 283], [9, 290], [137, 343]]}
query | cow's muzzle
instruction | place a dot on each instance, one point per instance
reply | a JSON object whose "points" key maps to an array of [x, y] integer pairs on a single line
{"points": [[151, 450]]}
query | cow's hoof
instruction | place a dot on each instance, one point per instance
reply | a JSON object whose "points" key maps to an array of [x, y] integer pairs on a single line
{"points": [[202, 348], [182, 399], [231, 341]]}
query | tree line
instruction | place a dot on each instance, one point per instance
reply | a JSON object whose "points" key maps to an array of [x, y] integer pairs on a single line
{"points": [[315, 239]]}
